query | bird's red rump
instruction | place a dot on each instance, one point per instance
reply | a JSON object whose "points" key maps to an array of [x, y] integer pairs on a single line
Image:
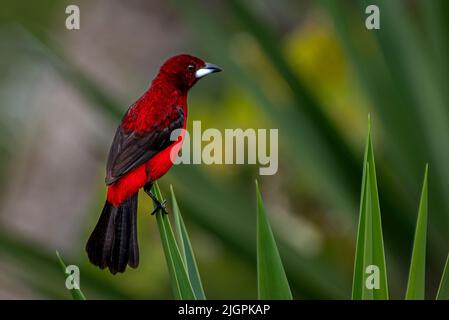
{"points": [[134, 180], [127, 185]]}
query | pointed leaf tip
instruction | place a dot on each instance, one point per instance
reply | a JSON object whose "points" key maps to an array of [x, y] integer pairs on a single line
{"points": [[369, 246], [186, 250], [416, 280], [271, 277], [181, 285]]}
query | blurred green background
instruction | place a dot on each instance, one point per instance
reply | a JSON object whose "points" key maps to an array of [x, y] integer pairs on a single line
{"points": [[309, 68]]}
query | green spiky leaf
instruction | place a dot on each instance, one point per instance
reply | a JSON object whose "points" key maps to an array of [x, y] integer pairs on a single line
{"points": [[182, 288], [370, 276], [443, 290], [417, 274], [272, 281], [187, 250]]}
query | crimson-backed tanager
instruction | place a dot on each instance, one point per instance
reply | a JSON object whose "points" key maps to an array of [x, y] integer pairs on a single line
{"points": [[140, 155]]}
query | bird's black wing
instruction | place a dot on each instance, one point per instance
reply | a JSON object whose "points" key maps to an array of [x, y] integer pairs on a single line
{"points": [[131, 149]]}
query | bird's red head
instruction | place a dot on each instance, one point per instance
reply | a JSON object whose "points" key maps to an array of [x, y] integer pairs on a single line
{"points": [[184, 70]]}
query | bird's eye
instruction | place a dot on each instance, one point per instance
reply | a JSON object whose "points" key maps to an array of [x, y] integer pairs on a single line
{"points": [[191, 67]]}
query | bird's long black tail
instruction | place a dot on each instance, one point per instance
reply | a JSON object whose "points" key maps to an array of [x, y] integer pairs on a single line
{"points": [[113, 243]]}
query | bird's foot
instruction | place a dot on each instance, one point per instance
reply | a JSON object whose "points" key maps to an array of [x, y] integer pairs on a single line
{"points": [[158, 205]]}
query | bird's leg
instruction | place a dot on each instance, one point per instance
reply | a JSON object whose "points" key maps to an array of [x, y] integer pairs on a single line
{"points": [[158, 205]]}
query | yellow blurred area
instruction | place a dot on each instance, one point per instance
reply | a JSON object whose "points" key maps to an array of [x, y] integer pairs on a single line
{"points": [[315, 53]]}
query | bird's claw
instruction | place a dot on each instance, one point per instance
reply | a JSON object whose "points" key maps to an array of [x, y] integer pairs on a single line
{"points": [[160, 206]]}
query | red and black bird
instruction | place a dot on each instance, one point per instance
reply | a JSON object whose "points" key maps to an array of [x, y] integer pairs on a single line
{"points": [[140, 155]]}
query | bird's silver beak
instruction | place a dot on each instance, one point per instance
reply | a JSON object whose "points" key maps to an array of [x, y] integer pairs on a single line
{"points": [[207, 69]]}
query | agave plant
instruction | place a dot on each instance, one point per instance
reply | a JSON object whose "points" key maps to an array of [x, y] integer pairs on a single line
{"points": [[272, 280], [370, 245]]}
